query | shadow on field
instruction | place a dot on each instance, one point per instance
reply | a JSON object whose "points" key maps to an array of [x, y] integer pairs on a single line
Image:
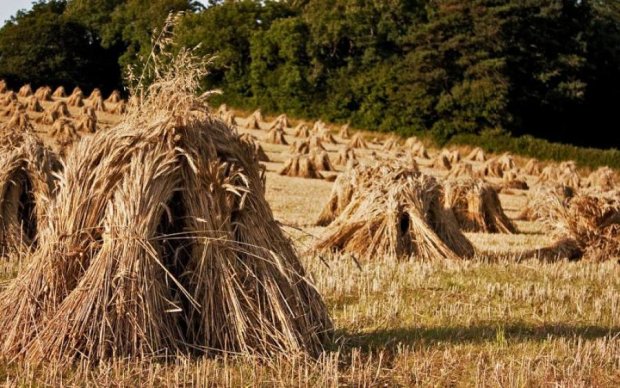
{"points": [[416, 336]]}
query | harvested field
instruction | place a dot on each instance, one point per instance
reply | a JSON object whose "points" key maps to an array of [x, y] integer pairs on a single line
{"points": [[415, 294]]}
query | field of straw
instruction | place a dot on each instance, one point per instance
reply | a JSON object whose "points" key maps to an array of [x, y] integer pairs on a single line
{"points": [[154, 242]]}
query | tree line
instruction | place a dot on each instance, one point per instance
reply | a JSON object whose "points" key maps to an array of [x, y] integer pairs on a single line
{"points": [[547, 68]]}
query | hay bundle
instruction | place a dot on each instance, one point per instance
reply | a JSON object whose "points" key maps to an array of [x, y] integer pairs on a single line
{"points": [[33, 104], [222, 110], [345, 154], [477, 155], [44, 93], [255, 148], [506, 162], [604, 178], [59, 92], [476, 206], [87, 124], [300, 166], [26, 186], [532, 167], [276, 136], [3, 87], [411, 142], [419, 151], [316, 143], [230, 119], [76, 98], [252, 122], [461, 170], [492, 168], [536, 207], [258, 115], [58, 110], [9, 98], [453, 156], [327, 137], [19, 120], [25, 91], [390, 144], [114, 98], [300, 147], [14, 107], [569, 178], [512, 180], [354, 178], [302, 131], [120, 108], [96, 101], [357, 141], [176, 249], [568, 166], [344, 132], [64, 132], [441, 162], [591, 223], [548, 174], [281, 121], [320, 160], [95, 95], [398, 216]]}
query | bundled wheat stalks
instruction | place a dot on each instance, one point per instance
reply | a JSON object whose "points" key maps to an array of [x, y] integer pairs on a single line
{"points": [[58, 110], [300, 147], [302, 131], [492, 168], [462, 170], [477, 155], [344, 132], [441, 162], [276, 136], [603, 179], [589, 225], [357, 141], [19, 121], [25, 91], [64, 132], [255, 148], [300, 166], [59, 92], [114, 98], [476, 206], [320, 160], [536, 207], [26, 186], [252, 122], [345, 154], [397, 214], [44, 93], [76, 98], [119, 109], [160, 241], [230, 118], [34, 105], [532, 167]]}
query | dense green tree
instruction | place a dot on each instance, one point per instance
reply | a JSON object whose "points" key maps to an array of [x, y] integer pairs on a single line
{"points": [[548, 68], [43, 46]]}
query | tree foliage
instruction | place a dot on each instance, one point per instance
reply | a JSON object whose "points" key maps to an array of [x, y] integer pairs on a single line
{"points": [[549, 68]]}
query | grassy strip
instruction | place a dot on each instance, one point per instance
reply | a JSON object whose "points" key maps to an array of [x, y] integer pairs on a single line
{"points": [[541, 149]]}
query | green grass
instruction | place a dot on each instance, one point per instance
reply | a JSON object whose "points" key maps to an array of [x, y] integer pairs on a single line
{"points": [[541, 149]]}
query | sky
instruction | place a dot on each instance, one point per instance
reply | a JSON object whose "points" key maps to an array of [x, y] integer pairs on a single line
{"points": [[8, 8]]}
